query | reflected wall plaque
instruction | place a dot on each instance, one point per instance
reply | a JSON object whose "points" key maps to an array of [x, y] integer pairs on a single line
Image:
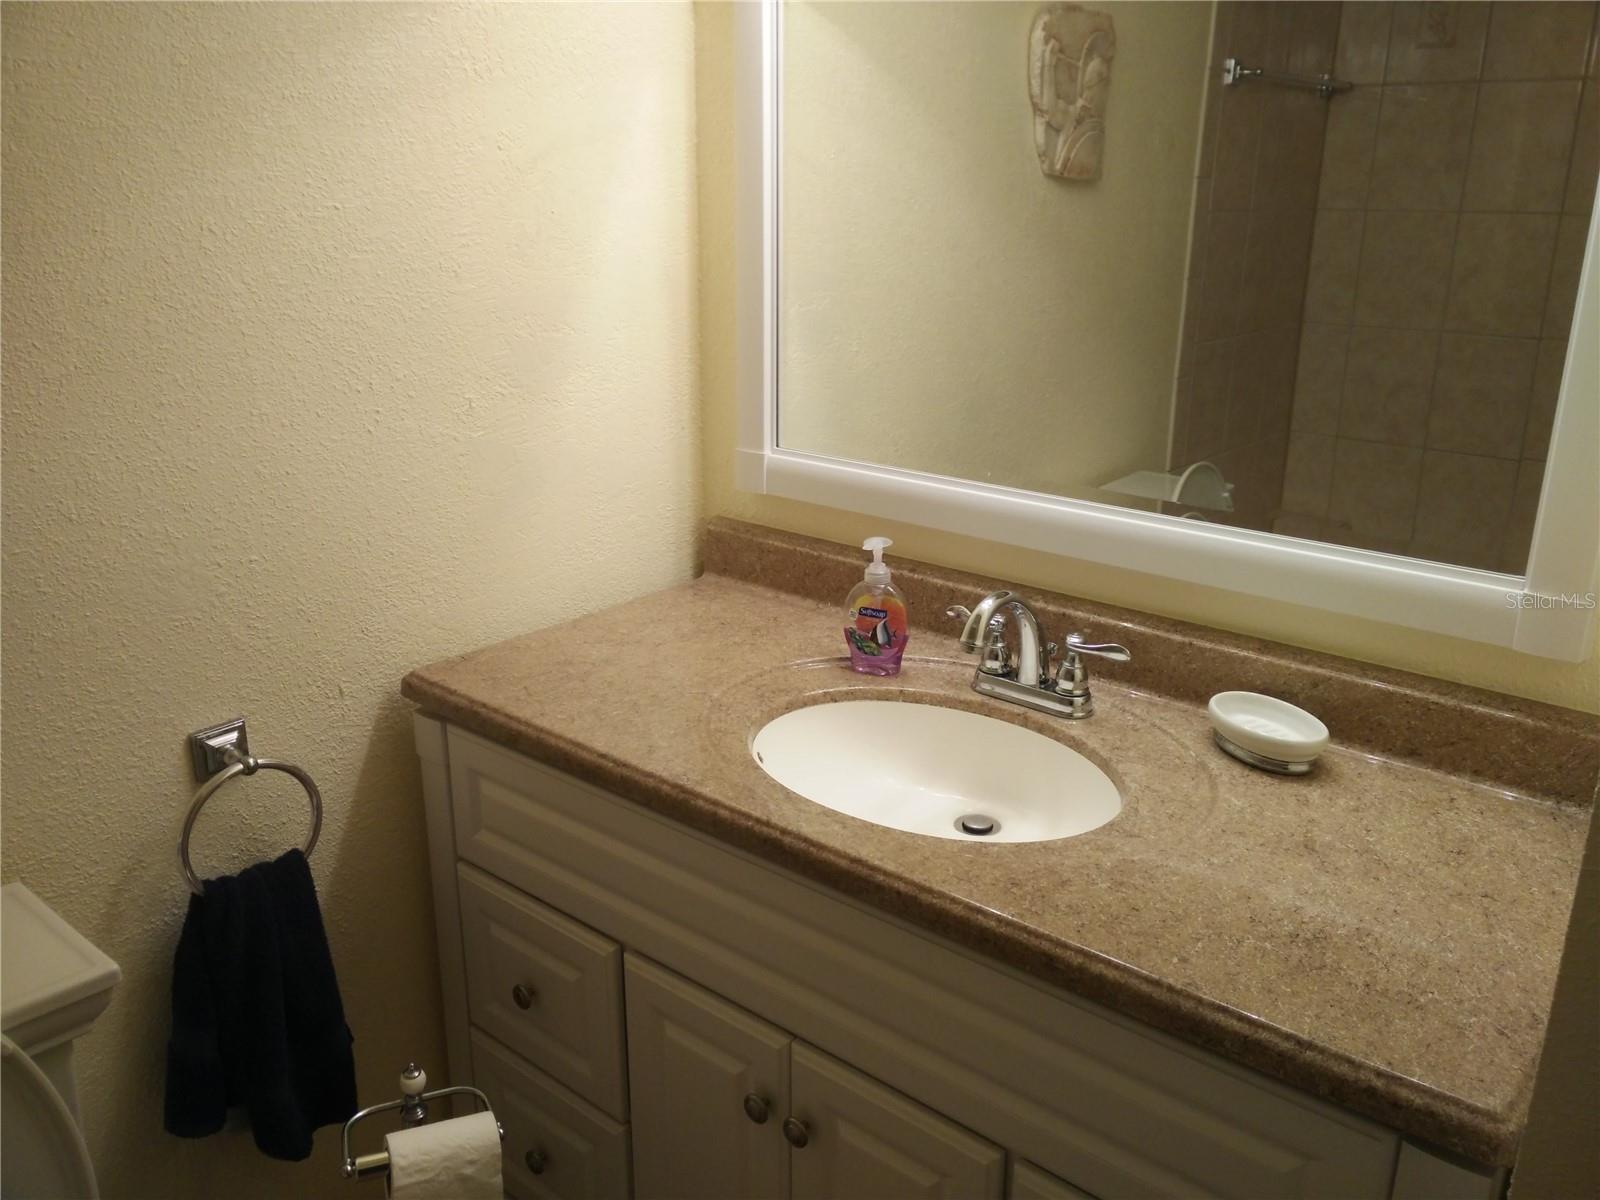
{"points": [[1070, 49]]}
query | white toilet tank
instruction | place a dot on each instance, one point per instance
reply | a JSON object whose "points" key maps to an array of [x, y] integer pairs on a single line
{"points": [[53, 984]]}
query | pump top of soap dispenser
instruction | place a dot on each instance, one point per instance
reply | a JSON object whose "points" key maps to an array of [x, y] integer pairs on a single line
{"points": [[877, 569]]}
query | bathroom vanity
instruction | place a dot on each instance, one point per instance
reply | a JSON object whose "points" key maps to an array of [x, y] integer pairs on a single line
{"points": [[675, 977]]}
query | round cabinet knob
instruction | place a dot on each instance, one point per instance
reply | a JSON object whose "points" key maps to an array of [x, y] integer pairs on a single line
{"points": [[535, 1160], [756, 1109], [796, 1133], [523, 996]]}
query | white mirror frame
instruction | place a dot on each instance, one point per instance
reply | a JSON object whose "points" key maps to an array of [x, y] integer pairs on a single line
{"points": [[1543, 613]]}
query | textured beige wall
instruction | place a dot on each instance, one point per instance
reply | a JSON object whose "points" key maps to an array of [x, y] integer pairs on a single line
{"points": [[1576, 685], [338, 338], [949, 308]]}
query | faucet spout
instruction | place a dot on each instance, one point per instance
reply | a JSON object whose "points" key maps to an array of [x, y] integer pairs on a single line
{"points": [[1033, 663], [993, 610], [978, 618]]}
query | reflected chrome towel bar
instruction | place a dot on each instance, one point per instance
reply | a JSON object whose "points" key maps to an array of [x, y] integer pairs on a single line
{"points": [[1235, 72]]}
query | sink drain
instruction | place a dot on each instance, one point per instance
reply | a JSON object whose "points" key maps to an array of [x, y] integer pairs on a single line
{"points": [[977, 824]]}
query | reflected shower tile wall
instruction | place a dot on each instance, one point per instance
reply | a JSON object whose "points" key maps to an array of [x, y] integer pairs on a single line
{"points": [[1319, 379], [1522, 146], [1464, 502], [1537, 39], [1362, 54], [1524, 508], [1432, 42], [1335, 265], [1481, 395], [1452, 208], [1404, 278], [1500, 280], [1388, 376], [1546, 391], [1349, 150], [1564, 272], [1422, 145], [1255, 224], [1374, 495], [1585, 151]]}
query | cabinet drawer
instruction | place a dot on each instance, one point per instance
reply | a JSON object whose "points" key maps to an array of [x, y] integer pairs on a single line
{"points": [[546, 986], [557, 1147]]}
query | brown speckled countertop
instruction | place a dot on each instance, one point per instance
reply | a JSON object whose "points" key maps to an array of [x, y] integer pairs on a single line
{"points": [[1379, 933]]}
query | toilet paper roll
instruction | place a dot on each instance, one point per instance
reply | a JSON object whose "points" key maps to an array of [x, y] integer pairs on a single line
{"points": [[458, 1159]]}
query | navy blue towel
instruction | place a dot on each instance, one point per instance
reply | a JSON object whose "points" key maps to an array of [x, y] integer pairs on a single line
{"points": [[257, 1021]]}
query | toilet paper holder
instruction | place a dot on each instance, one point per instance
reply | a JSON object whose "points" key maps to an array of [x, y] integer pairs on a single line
{"points": [[413, 1106]]}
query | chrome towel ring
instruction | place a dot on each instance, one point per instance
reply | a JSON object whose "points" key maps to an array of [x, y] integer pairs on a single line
{"points": [[243, 764]]}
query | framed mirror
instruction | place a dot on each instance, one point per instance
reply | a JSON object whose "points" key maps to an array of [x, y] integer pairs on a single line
{"points": [[1295, 299]]}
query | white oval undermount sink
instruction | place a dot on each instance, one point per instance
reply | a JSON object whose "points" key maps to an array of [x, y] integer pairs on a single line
{"points": [[937, 771]]}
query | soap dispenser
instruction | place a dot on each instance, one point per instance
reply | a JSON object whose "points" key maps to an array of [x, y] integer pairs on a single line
{"points": [[875, 617]]}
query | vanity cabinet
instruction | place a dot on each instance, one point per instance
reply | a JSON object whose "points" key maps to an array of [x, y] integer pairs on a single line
{"points": [[646, 1007], [726, 1104]]}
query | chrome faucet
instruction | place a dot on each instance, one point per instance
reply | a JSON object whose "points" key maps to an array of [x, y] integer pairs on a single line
{"points": [[1028, 680], [985, 630]]}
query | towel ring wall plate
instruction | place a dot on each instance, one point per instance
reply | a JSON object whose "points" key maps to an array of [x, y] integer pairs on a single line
{"points": [[239, 763]]}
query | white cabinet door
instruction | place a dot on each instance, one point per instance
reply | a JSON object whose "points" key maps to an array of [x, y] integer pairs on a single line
{"points": [[864, 1141], [1028, 1182], [709, 1085]]}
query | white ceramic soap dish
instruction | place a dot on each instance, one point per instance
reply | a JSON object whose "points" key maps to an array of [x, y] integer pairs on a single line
{"points": [[1267, 733]]}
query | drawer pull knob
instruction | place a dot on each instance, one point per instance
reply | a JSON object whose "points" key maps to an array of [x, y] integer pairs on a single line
{"points": [[756, 1108], [535, 1160], [796, 1133], [523, 996]]}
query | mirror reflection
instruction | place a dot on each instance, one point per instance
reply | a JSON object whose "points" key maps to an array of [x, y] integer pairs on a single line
{"points": [[1301, 267]]}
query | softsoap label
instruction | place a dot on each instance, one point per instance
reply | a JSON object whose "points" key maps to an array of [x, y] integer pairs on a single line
{"points": [[876, 635]]}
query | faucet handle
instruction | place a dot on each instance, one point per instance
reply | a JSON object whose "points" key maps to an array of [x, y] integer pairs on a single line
{"points": [[1116, 653], [977, 619], [996, 657], [1072, 676]]}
